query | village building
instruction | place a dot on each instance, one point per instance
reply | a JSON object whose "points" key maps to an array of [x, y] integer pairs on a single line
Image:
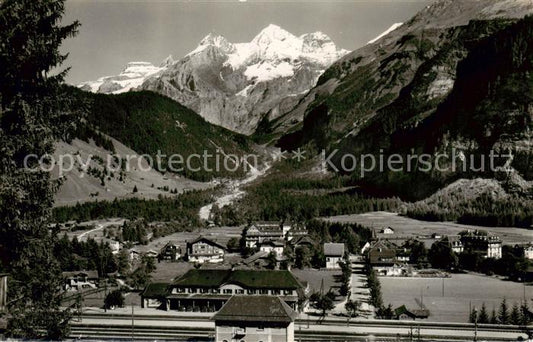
{"points": [[259, 318], [528, 251], [154, 295], [276, 247], [403, 313], [260, 232], [303, 241], [403, 255], [436, 236], [296, 231], [490, 246], [170, 252], [382, 256], [387, 231], [80, 280], [113, 245], [256, 260], [209, 289], [456, 244], [204, 250], [334, 253]]}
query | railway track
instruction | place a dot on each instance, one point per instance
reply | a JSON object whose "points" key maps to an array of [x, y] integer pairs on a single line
{"points": [[334, 322], [379, 331]]}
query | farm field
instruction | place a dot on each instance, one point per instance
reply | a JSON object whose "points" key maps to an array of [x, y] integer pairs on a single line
{"points": [[405, 227], [95, 230], [459, 291]]}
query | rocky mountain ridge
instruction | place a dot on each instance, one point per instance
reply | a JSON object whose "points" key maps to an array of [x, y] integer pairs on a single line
{"points": [[442, 80]]}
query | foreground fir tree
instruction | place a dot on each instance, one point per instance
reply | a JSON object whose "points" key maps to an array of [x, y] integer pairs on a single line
{"points": [[33, 114]]}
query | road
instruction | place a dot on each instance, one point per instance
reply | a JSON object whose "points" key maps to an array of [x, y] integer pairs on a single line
{"points": [[83, 236]]}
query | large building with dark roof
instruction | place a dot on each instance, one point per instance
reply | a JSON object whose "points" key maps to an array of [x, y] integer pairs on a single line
{"points": [[209, 289], [256, 318]]}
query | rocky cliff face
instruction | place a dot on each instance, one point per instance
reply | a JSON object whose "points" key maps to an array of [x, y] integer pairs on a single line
{"points": [[442, 80], [235, 85]]}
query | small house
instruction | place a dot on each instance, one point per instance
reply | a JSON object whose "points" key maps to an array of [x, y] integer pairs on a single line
{"points": [[170, 252], [334, 253], [80, 280], [275, 247], [387, 231], [255, 318]]}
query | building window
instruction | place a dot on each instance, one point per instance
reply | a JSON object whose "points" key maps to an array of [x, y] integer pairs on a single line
{"points": [[204, 290], [251, 291], [191, 290], [287, 292], [276, 292], [240, 291], [228, 291]]}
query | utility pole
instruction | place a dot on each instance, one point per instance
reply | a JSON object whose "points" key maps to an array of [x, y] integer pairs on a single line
{"points": [[105, 294], [475, 325]]}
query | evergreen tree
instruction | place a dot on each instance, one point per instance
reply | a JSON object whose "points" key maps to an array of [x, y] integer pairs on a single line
{"points": [[525, 313], [483, 315], [516, 316], [493, 317], [473, 318], [503, 314], [34, 113]]}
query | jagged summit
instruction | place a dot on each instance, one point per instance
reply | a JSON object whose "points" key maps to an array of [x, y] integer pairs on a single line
{"points": [[167, 62], [234, 84], [272, 33]]}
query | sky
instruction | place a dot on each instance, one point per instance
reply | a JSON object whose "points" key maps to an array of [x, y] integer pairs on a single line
{"points": [[115, 32]]}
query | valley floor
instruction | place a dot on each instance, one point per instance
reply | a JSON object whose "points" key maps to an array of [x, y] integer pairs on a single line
{"points": [[405, 227]]}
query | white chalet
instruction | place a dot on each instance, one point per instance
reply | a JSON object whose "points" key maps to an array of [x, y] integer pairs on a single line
{"points": [[204, 250]]}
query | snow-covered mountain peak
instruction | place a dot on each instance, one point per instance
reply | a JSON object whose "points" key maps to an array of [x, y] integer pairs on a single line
{"points": [[234, 84], [273, 33], [213, 40]]}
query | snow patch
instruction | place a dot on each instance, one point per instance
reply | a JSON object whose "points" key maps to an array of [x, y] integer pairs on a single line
{"points": [[266, 71], [389, 30]]}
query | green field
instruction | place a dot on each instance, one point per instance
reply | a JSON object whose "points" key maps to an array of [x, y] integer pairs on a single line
{"points": [[405, 227], [459, 291]]}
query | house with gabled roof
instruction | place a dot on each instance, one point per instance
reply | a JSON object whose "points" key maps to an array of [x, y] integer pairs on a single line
{"points": [[202, 250], [154, 295], [258, 318], [403, 313], [273, 246], [171, 251], [78, 280], [334, 253]]}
